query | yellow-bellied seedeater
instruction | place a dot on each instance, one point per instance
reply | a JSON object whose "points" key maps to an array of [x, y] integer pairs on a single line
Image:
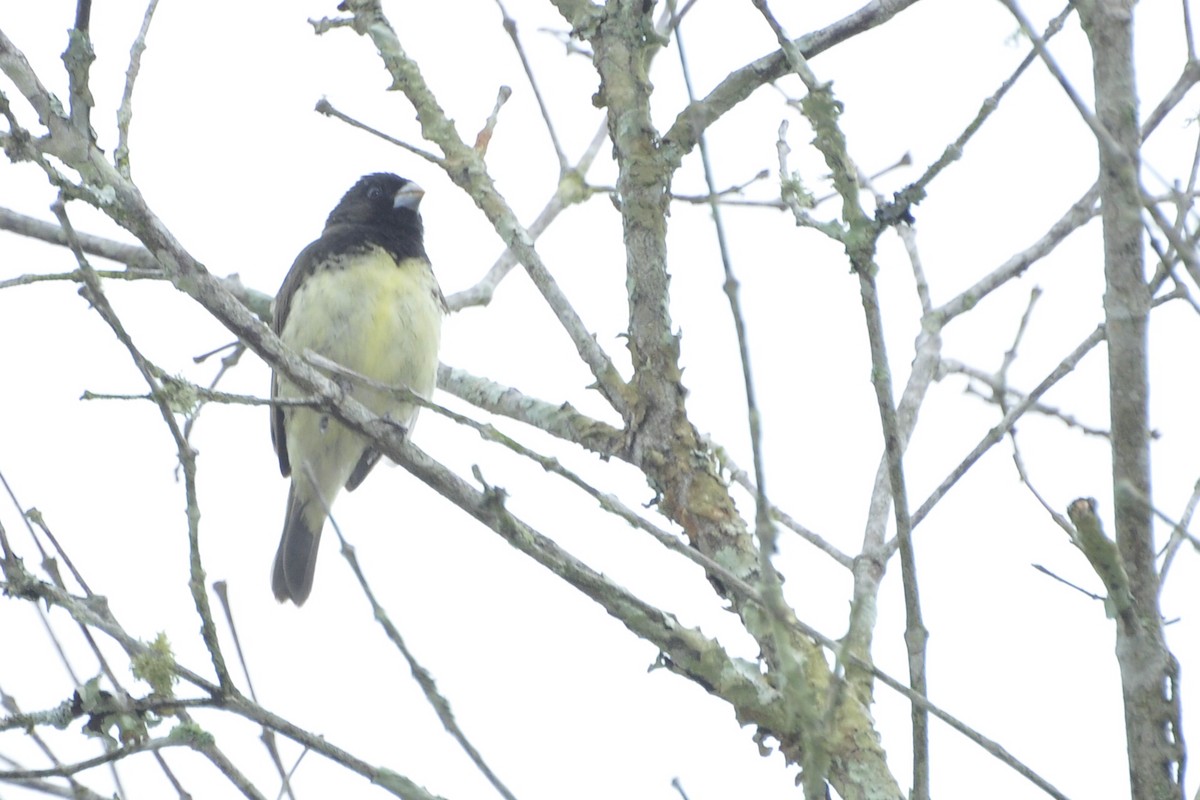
{"points": [[362, 295]]}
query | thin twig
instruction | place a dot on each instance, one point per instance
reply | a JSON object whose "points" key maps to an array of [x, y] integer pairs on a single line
{"points": [[326, 108], [994, 391], [484, 137], [1066, 582], [764, 524], [722, 196], [1065, 367], [1082, 211], [91, 763], [228, 362], [152, 376], [680, 139], [1059, 519], [205, 746], [125, 112], [868, 567], [917, 190], [1099, 131], [571, 189], [998, 431], [743, 479], [140, 261], [1010, 355], [221, 590], [424, 679], [859, 242], [1179, 534], [510, 27]]}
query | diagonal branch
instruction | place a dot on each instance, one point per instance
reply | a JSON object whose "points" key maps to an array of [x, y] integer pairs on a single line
{"points": [[681, 138], [465, 166]]}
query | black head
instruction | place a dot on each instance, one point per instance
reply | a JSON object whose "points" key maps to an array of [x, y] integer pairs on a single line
{"points": [[381, 200]]}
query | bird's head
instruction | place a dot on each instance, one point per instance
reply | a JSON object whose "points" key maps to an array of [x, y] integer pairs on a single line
{"points": [[380, 200]]}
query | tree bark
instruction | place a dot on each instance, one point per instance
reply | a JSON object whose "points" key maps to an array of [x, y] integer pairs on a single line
{"points": [[1154, 739]]}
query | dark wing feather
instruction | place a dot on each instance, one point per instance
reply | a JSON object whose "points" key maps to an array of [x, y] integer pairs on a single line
{"points": [[363, 468], [304, 265], [278, 437]]}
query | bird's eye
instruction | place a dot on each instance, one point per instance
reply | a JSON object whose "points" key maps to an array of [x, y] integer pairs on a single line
{"points": [[374, 193]]}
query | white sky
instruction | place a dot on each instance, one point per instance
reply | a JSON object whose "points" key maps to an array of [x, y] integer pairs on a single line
{"points": [[555, 693]]}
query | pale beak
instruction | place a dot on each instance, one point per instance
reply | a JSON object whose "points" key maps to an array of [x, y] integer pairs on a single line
{"points": [[408, 197]]}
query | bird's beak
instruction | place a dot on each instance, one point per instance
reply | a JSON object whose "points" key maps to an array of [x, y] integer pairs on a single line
{"points": [[408, 197]]}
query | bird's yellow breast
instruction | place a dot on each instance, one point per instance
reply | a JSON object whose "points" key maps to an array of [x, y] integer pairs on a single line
{"points": [[375, 316]]}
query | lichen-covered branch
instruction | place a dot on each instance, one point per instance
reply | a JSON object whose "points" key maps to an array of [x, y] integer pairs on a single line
{"points": [[465, 166], [1153, 731]]}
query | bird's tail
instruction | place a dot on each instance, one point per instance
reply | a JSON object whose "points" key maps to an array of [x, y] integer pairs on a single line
{"points": [[296, 559]]}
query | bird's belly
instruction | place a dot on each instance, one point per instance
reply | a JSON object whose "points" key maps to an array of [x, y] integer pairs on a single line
{"points": [[374, 317], [377, 319]]}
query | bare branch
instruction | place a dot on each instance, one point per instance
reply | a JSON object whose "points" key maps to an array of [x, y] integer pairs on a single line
{"points": [[510, 27], [916, 191], [998, 431], [151, 374], [141, 263], [466, 168], [438, 701], [325, 107], [571, 189], [1148, 670], [125, 112], [741, 83]]}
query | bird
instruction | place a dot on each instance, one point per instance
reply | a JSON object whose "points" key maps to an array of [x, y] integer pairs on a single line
{"points": [[362, 295]]}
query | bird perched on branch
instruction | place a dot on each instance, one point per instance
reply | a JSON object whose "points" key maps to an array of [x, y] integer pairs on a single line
{"points": [[364, 296]]}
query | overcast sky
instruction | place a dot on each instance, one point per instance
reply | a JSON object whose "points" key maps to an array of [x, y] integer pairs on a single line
{"points": [[556, 694]]}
